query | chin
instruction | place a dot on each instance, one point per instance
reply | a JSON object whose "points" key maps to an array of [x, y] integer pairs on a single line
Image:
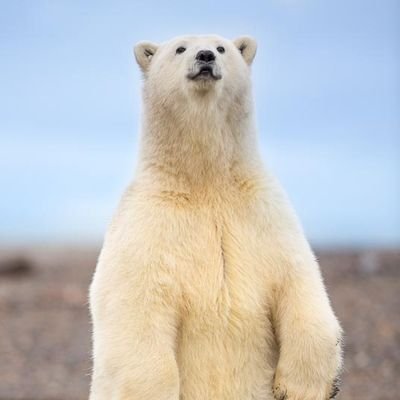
{"points": [[206, 84]]}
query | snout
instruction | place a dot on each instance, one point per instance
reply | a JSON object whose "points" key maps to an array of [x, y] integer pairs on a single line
{"points": [[205, 67]]}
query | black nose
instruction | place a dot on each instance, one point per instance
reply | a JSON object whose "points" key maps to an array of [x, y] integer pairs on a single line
{"points": [[205, 56]]}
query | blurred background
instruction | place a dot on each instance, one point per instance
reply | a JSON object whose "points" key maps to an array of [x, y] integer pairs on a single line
{"points": [[327, 92]]}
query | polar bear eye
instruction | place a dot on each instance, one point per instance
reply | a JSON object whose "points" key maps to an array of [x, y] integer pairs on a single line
{"points": [[221, 49], [180, 50]]}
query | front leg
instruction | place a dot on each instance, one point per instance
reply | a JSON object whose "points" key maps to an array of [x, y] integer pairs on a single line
{"points": [[135, 320], [308, 332]]}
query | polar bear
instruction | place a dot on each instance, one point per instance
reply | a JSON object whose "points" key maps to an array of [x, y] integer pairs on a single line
{"points": [[206, 288]]}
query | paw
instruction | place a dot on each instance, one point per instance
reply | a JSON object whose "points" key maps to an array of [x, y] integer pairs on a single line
{"points": [[280, 392], [285, 391]]}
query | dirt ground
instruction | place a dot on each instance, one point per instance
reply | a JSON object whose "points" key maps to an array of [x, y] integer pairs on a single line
{"points": [[45, 329]]}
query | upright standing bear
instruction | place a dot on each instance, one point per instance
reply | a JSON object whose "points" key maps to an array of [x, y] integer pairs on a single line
{"points": [[206, 288]]}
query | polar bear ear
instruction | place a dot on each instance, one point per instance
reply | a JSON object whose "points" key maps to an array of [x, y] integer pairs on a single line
{"points": [[247, 47], [144, 52]]}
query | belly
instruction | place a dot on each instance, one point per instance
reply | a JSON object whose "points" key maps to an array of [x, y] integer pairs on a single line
{"points": [[225, 348]]}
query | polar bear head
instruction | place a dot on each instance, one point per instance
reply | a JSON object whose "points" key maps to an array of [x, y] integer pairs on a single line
{"points": [[190, 68]]}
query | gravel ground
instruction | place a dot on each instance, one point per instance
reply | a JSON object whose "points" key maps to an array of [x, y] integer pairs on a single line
{"points": [[45, 330]]}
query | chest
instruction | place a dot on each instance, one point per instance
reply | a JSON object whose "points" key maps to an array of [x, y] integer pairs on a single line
{"points": [[229, 280]]}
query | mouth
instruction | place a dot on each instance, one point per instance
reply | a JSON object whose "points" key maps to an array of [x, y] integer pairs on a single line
{"points": [[205, 71]]}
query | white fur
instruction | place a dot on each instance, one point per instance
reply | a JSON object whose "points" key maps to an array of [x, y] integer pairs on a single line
{"points": [[206, 288]]}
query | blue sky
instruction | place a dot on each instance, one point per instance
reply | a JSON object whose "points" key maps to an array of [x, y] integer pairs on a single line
{"points": [[327, 88]]}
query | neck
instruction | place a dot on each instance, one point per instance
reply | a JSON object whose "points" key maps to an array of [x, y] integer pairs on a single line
{"points": [[197, 144]]}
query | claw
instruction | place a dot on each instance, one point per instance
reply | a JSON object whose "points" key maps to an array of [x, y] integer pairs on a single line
{"points": [[335, 388]]}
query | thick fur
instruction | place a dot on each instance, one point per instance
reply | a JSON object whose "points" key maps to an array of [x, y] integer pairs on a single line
{"points": [[206, 288]]}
